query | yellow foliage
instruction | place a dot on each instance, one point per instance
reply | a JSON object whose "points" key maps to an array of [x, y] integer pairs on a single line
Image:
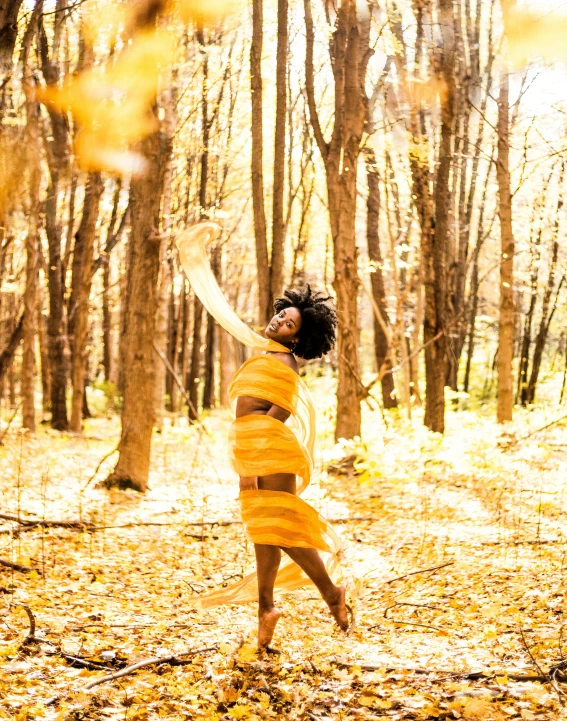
{"points": [[111, 104], [536, 34]]}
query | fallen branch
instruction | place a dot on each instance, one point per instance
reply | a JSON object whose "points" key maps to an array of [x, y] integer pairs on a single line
{"points": [[409, 623], [511, 443], [30, 638], [424, 570], [173, 660], [535, 542], [102, 460], [85, 663], [14, 414], [30, 522], [15, 566], [468, 675], [544, 675]]}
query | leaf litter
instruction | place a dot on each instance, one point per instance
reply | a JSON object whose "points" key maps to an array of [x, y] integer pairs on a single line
{"points": [[457, 546]]}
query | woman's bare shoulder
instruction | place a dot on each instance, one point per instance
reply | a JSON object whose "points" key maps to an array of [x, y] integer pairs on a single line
{"points": [[288, 359]]}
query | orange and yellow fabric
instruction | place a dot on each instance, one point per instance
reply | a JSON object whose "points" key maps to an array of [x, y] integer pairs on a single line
{"points": [[259, 444]]}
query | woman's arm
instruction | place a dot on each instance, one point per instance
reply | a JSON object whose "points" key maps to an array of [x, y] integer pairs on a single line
{"points": [[248, 483], [279, 413]]}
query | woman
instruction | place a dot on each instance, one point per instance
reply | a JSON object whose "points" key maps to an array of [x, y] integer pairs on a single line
{"points": [[273, 461]]}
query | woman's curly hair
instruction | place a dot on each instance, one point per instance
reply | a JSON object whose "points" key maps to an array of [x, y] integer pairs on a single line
{"points": [[318, 331]]}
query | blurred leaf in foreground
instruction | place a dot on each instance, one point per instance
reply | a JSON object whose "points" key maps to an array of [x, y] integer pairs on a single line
{"points": [[110, 104], [533, 33]]}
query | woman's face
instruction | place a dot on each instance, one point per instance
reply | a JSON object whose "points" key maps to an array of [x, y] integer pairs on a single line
{"points": [[285, 326]]}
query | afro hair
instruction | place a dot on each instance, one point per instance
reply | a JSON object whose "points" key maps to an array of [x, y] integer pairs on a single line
{"points": [[318, 331]]}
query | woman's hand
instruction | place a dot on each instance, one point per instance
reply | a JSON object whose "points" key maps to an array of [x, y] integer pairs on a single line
{"points": [[248, 483]]}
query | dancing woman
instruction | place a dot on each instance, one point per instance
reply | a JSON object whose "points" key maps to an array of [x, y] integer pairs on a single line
{"points": [[274, 460]]}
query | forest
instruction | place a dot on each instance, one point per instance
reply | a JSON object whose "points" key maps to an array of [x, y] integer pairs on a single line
{"points": [[406, 158]]}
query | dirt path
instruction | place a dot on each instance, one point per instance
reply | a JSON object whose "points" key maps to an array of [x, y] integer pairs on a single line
{"points": [[494, 519]]}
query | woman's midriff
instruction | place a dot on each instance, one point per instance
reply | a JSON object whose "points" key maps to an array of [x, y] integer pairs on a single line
{"points": [[285, 482]]}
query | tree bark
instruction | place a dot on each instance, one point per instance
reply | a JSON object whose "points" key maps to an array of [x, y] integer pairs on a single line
{"points": [[278, 225], [350, 52], [435, 251], [195, 367], [133, 465], [381, 343], [57, 152], [9, 10], [56, 335], [259, 212], [32, 240], [546, 312], [44, 359], [79, 311], [7, 354], [210, 348], [506, 318]]}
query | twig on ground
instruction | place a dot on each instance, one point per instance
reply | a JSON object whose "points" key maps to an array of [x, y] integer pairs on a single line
{"points": [[412, 623], [30, 638], [173, 660], [424, 570], [32, 522], [85, 663], [515, 442], [102, 460], [14, 414], [15, 566], [470, 675], [545, 675], [409, 623]]}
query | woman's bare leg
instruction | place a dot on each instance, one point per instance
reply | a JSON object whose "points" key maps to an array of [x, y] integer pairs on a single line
{"points": [[267, 563], [309, 560]]}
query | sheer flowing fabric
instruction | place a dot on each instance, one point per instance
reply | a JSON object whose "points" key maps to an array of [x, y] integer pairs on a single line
{"points": [[260, 445]]}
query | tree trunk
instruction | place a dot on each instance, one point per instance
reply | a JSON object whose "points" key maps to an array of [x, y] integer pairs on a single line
{"points": [[278, 226], [106, 323], [9, 10], [546, 312], [195, 369], [210, 348], [506, 319], [260, 235], [41, 333], [57, 153], [79, 311], [381, 343], [435, 251], [133, 465], [32, 240], [226, 349], [350, 52], [7, 354], [184, 339], [56, 336]]}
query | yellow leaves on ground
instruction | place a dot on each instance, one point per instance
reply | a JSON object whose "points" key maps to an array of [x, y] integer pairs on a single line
{"points": [[118, 594]]}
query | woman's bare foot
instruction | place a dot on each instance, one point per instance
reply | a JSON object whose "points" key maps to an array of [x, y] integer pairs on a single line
{"points": [[267, 621], [339, 609]]}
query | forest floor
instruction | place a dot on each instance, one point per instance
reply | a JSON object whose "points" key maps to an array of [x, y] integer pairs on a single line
{"points": [[476, 638]]}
